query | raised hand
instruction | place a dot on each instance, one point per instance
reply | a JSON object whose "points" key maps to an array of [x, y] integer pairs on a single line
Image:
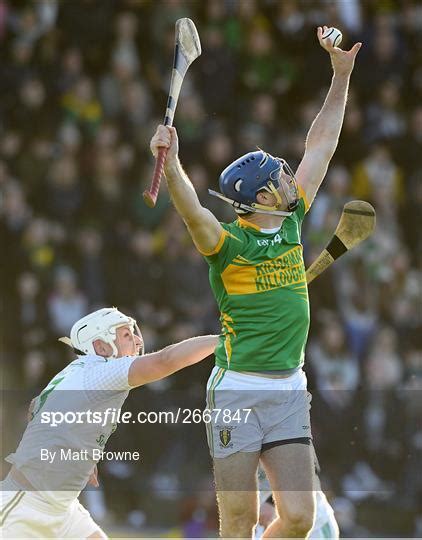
{"points": [[342, 61], [165, 136]]}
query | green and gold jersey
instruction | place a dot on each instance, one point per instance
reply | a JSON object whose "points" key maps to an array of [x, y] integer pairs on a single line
{"points": [[259, 282]]}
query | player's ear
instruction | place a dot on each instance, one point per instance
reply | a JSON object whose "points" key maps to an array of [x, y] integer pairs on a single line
{"points": [[263, 197], [101, 348]]}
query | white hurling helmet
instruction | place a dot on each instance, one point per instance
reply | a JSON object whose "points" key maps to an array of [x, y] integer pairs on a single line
{"points": [[100, 324]]}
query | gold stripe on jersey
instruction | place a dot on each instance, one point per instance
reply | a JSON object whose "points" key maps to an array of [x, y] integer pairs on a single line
{"points": [[241, 260], [228, 330], [284, 271], [302, 290], [219, 245], [242, 222]]}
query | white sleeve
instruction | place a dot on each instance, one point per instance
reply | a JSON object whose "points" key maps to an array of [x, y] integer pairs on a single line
{"points": [[110, 375]]}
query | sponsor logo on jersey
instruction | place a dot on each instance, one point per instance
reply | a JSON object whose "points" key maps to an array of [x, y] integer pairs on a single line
{"points": [[286, 270], [270, 241]]}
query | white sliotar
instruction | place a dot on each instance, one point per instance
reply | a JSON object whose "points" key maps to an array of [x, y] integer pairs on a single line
{"points": [[333, 35]]}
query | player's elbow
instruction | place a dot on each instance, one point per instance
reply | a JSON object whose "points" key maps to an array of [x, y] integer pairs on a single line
{"points": [[137, 375]]}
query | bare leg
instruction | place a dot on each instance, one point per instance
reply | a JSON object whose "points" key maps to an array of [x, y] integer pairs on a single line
{"points": [[290, 471], [237, 497]]}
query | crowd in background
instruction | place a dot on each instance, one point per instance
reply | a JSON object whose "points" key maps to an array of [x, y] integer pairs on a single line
{"points": [[83, 86]]}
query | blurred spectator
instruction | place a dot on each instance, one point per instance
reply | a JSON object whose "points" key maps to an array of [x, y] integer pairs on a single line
{"points": [[346, 516], [135, 110], [31, 107], [81, 106], [263, 70], [38, 247], [15, 212], [92, 267], [360, 321], [385, 50], [34, 370], [291, 21], [32, 329], [191, 123], [218, 152], [384, 367], [65, 192], [218, 73], [384, 440], [125, 50], [260, 129], [145, 275], [379, 180], [33, 165], [71, 69], [384, 119], [33, 21], [352, 148], [328, 205], [66, 304], [334, 368], [350, 14]]}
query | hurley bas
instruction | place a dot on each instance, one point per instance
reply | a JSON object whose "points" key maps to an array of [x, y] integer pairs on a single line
{"points": [[95, 454]]}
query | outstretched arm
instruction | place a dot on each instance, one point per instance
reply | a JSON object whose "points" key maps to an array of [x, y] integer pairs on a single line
{"points": [[202, 225], [322, 138], [155, 366]]}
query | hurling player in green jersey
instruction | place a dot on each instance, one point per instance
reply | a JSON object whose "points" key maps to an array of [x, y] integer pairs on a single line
{"points": [[258, 279]]}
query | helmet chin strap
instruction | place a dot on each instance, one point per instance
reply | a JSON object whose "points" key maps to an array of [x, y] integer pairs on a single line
{"points": [[267, 209], [255, 208]]}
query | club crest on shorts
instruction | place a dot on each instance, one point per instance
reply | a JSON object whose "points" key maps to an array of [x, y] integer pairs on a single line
{"points": [[225, 437]]}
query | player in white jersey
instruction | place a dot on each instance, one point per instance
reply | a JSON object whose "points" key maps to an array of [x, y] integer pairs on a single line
{"points": [[53, 463]]}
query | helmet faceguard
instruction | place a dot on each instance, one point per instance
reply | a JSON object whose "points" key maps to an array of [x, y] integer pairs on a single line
{"points": [[101, 324], [241, 181]]}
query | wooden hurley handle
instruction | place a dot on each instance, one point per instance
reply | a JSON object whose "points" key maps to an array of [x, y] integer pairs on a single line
{"points": [[321, 263], [150, 197], [187, 47]]}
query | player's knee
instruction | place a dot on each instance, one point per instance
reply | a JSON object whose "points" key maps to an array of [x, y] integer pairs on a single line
{"points": [[238, 519], [300, 521]]}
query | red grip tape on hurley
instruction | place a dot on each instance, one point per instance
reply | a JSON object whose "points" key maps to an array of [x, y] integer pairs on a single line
{"points": [[150, 197]]}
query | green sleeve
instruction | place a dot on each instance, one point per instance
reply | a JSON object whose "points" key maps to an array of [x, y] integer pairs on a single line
{"points": [[228, 247]]}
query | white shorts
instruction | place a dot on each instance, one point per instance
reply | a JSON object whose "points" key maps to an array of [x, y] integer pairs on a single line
{"points": [[249, 411], [325, 522], [328, 530], [26, 514]]}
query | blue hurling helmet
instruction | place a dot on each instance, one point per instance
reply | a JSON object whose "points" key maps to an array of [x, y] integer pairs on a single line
{"points": [[244, 178]]}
